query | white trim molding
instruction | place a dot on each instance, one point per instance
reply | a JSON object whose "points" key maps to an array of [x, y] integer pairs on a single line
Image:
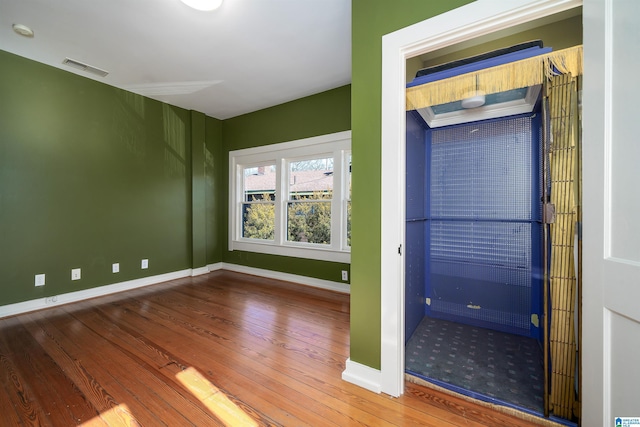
{"points": [[464, 23], [362, 375], [47, 302], [199, 271], [215, 267]]}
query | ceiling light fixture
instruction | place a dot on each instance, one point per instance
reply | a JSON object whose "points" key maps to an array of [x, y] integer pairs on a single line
{"points": [[23, 30], [204, 5]]}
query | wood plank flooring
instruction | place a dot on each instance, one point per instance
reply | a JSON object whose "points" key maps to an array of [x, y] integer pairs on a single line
{"points": [[219, 349]]}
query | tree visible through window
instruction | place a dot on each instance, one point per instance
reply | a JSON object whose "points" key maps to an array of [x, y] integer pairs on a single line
{"points": [[259, 220], [258, 207], [309, 204]]}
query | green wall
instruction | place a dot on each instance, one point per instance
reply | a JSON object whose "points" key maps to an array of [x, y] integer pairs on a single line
{"points": [[91, 175], [216, 193], [320, 114], [371, 19]]}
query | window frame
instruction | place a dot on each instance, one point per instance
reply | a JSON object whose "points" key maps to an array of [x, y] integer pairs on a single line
{"points": [[336, 145], [346, 196]]}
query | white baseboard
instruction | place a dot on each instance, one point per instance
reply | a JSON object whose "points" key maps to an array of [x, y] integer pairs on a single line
{"points": [[215, 267], [40, 303], [363, 376], [287, 277], [199, 271]]}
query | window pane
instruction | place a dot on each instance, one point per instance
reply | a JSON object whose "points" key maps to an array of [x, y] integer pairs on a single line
{"points": [[311, 179], [309, 221], [259, 183], [258, 220], [310, 193]]}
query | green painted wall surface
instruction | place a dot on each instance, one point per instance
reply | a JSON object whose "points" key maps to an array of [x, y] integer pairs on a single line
{"points": [[215, 193], [90, 175], [198, 191], [320, 114], [371, 19]]}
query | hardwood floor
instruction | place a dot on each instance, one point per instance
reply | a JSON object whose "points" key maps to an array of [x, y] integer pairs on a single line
{"points": [[219, 349]]}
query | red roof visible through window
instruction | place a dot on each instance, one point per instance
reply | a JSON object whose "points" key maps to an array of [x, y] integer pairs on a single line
{"points": [[299, 182]]}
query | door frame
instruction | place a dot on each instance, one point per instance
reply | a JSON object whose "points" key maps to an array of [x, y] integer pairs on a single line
{"points": [[476, 19]]}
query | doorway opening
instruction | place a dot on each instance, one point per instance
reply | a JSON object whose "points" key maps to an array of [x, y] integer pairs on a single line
{"points": [[475, 22], [478, 239]]}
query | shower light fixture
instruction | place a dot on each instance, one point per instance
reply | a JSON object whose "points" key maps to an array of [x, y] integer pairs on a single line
{"points": [[204, 5], [474, 99]]}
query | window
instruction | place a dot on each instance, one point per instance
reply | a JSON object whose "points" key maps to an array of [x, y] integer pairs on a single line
{"points": [[258, 202], [309, 204], [293, 198]]}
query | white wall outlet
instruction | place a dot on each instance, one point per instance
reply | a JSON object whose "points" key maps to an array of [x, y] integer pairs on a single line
{"points": [[39, 279], [115, 267], [51, 300], [75, 274], [144, 264], [345, 275]]}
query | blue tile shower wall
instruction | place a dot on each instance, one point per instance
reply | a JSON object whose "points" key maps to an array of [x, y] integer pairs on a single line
{"points": [[416, 237], [473, 196], [483, 228]]}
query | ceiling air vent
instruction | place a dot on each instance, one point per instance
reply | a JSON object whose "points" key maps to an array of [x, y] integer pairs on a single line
{"points": [[85, 67]]}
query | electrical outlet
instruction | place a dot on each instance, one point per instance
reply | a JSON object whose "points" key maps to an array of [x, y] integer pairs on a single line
{"points": [[115, 267], [345, 275], [144, 264], [39, 279], [51, 300], [75, 274]]}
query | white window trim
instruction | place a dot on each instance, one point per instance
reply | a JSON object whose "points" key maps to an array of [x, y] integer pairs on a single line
{"points": [[336, 145]]}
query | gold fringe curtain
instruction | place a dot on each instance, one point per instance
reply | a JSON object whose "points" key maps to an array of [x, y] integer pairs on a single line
{"points": [[514, 75], [564, 178]]}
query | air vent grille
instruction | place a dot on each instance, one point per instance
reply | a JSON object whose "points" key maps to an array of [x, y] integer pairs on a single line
{"points": [[85, 67]]}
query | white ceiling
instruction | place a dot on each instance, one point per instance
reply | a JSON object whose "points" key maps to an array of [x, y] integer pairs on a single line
{"points": [[245, 56]]}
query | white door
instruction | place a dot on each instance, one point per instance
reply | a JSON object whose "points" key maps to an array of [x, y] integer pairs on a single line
{"points": [[611, 218]]}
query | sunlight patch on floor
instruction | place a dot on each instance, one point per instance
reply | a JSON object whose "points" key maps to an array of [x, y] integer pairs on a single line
{"points": [[117, 416], [214, 399]]}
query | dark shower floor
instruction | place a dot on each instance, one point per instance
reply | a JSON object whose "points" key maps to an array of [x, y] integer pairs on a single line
{"points": [[494, 365]]}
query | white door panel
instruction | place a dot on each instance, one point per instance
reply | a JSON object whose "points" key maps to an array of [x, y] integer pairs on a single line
{"points": [[625, 376], [611, 195], [625, 150], [621, 293]]}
